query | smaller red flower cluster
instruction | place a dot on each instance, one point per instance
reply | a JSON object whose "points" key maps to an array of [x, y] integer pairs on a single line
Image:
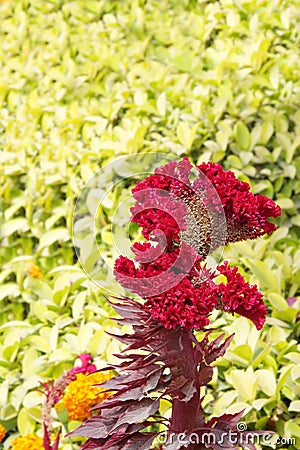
{"points": [[246, 214], [238, 296], [86, 366], [156, 270], [193, 296]]}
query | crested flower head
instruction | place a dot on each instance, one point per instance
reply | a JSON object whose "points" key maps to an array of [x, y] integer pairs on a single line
{"points": [[204, 206], [29, 441], [187, 212]]}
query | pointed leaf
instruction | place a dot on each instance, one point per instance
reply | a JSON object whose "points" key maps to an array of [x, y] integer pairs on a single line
{"points": [[138, 412]]}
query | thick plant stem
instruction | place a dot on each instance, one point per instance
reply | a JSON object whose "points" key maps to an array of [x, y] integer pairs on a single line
{"points": [[185, 414]]}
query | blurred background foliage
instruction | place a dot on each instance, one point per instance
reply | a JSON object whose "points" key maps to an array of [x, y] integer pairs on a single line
{"points": [[83, 82]]}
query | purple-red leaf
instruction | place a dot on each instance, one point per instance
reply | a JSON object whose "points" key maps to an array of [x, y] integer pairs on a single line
{"points": [[126, 438], [97, 427], [138, 412], [205, 375], [214, 350], [226, 421], [155, 360], [92, 444]]}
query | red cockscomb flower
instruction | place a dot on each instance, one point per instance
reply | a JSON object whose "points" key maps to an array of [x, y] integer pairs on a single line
{"points": [[185, 212], [188, 299], [189, 211]]}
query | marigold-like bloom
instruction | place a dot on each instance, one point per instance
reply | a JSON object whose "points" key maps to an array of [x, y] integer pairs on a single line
{"points": [[34, 271], [27, 442], [2, 432], [187, 212], [82, 394]]}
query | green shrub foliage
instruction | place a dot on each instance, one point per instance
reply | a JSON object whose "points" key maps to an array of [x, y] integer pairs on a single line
{"points": [[83, 82]]}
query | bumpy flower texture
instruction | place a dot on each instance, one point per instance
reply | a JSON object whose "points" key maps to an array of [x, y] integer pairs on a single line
{"points": [[82, 394], [29, 441], [185, 213]]}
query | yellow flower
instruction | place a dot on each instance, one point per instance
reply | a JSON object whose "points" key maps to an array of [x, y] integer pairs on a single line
{"points": [[34, 271], [81, 395], [2, 432], [29, 441]]}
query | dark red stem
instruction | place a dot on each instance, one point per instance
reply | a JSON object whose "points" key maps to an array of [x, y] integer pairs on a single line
{"points": [[186, 415]]}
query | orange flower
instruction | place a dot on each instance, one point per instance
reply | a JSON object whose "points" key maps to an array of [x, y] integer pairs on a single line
{"points": [[34, 271], [29, 441], [81, 395], [2, 432]]}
